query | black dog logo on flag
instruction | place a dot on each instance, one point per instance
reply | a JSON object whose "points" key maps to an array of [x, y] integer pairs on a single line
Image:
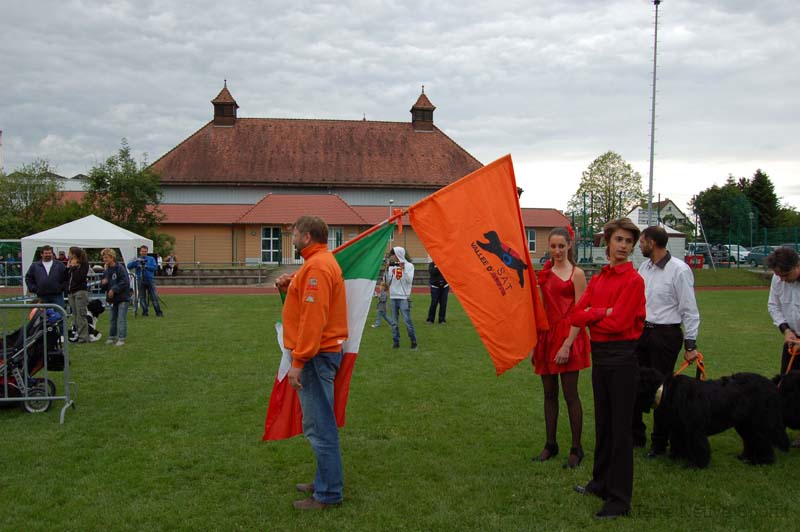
{"points": [[509, 257]]}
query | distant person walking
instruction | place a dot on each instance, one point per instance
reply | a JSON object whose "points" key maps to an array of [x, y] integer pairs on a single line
{"points": [[47, 278], [439, 292], [400, 277], [145, 266], [117, 285], [78, 292]]}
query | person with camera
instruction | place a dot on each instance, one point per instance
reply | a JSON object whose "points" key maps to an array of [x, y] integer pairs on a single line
{"points": [[118, 294], [145, 267], [400, 276]]}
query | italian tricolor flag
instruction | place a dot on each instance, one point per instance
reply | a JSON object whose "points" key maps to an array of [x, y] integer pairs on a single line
{"points": [[360, 260]]}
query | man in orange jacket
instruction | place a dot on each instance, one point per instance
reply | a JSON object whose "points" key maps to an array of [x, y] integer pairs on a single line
{"points": [[314, 328]]}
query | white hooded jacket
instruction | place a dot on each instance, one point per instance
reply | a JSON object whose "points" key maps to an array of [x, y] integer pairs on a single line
{"points": [[401, 277]]}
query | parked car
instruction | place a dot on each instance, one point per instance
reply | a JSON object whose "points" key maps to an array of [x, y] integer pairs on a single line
{"points": [[699, 248], [791, 245], [758, 254], [736, 253]]}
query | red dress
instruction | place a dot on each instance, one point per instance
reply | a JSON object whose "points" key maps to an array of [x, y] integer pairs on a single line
{"points": [[559, 300]]}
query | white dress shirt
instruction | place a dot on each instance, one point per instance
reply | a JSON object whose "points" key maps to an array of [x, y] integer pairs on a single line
{"points": [[669, 289], [784, 303]]}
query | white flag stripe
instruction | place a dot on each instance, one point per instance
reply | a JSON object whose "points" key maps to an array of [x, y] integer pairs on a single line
{"points": [[359, 300]]}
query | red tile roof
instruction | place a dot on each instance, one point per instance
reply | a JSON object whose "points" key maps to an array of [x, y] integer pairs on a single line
{"points": [[181, 213], [72, 195], [423, 103], [286, 208], [224, 96], [358, 153], [374, 214], [543, 218]]}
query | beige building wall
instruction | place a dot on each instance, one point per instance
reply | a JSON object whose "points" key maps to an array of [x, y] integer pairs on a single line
{"points": [[203, 243]]}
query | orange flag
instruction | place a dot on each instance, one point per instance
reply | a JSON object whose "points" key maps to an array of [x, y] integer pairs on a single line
{"points": [[473, 230]]}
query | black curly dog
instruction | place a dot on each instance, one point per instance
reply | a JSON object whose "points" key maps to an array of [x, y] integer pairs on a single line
{"points": [[509, 257], [695, 409]]}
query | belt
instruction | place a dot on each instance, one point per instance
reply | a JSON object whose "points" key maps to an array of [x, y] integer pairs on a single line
{"points": [[648, 325]]}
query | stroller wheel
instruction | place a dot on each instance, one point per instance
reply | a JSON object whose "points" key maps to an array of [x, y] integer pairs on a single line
{"points": [[34, 405]]}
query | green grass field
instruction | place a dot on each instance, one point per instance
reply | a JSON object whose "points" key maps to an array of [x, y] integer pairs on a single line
{"points": [[167, 436]]}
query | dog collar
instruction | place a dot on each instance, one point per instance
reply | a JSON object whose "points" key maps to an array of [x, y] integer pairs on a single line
{"points": [[659, 395]]}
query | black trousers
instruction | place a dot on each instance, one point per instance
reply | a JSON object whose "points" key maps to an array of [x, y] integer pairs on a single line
{"points": [[657, 348], [615, 376]]}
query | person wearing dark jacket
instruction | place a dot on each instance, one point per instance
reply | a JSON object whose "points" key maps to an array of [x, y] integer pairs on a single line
{"points": [[47, 278], [118, 287], [439, 291], [78, 292], [145, 267]]}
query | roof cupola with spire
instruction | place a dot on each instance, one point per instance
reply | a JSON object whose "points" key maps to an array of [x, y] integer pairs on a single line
{"points": [[422, 113], [224, 107]]}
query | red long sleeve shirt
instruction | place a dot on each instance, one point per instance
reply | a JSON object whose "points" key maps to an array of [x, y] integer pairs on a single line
{"points": [[621, 289]]}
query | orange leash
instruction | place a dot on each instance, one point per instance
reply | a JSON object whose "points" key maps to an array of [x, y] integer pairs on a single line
{"points": [[792, 351], [701, 366]]}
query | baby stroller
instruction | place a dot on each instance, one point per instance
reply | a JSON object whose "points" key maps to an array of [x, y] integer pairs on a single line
{"points": [[22, 355]]}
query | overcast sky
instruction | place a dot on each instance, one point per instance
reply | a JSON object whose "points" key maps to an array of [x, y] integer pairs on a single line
{"points": [[554, 83]]}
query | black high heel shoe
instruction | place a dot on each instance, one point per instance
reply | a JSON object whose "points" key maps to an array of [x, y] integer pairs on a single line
{"points": [[550, 450], [577, 453]]}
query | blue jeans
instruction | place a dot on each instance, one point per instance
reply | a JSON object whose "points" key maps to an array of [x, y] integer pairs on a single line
{"points": [[383, 316], [438, 297], [319, 424], [402, 306], [56, 299], [119, 320], [148, 292]]}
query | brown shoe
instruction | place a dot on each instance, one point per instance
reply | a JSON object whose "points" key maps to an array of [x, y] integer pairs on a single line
{"points": [[313, 504], [305, 488]]}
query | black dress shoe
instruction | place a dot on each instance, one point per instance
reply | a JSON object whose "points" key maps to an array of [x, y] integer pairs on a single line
{"points": [[586, 490], [655, 452], [606, 513]]}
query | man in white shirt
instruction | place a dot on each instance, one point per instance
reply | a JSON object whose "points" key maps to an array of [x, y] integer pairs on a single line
{"points": [[669, 290], [400, 277], [784, 300]]}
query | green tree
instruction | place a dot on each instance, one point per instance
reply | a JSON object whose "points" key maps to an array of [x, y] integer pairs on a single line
{"points": [[761, 193], [128, 194], [25, 195], [724, 213], [609, 186]]}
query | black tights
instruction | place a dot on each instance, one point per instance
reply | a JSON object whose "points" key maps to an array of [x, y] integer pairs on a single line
{"points": [[569, 382]]}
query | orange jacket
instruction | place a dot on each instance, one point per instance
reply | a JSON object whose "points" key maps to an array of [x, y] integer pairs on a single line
{"points": [[315, 310]]}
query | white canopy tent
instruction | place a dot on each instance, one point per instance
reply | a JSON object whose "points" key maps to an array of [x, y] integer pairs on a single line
{"points": [[88, 232]]}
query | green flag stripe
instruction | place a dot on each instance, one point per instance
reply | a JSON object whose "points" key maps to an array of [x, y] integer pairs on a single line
{"points": [[363, 259]]}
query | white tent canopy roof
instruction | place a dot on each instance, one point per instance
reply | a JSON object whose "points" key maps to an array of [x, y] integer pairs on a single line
{"points": [[88, 232]]}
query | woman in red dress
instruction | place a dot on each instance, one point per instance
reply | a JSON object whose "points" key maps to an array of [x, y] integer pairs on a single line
{"points": [[562, 350]]}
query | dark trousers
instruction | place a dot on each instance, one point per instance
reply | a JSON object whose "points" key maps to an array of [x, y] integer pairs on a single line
{"points": [[147, 293], [614, 386], [786, 357], [657, 348], [438, 297]]}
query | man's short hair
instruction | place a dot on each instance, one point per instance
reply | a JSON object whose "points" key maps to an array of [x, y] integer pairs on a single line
{"points": [[144, 246], [783, 260], [47, 247], [314, 226], [620, 223], [657, 234]]}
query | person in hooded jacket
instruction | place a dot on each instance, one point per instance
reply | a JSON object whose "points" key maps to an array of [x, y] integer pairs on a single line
{"points": [[400, 277]]}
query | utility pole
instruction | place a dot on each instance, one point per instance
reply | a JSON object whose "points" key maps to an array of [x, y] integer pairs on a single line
{"points": [[653, 121]]}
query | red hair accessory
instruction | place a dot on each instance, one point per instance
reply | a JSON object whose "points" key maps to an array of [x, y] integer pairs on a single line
{"points": [[571, 232]]}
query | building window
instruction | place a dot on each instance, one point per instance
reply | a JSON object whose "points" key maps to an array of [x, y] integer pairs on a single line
{"points": [[335, 237], [531, 240], [271, 245]]}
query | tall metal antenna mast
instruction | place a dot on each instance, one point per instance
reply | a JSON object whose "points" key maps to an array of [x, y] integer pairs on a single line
{"points": [[653, 121]]}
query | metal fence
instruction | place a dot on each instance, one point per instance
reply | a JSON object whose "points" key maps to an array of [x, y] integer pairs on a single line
{"points": [[34, 351]]}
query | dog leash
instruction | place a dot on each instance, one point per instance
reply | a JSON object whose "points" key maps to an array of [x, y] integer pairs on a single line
{"points": [[793, 350], [701, 367]]}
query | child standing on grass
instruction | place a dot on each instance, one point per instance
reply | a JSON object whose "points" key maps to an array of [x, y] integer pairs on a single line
{"points": [[383, 290]]}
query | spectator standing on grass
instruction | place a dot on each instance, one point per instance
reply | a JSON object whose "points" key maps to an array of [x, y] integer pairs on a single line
{"points": [[439, 292], [383, 296], [314, 329], [784, 300], [400, 277], [118, 287], [78, 291], [47, 278], [669, 290], [613, 307], [563, 350], [145, 268]]}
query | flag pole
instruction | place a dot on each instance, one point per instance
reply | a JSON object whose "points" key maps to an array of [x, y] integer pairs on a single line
{"points": [[398, 214]]}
